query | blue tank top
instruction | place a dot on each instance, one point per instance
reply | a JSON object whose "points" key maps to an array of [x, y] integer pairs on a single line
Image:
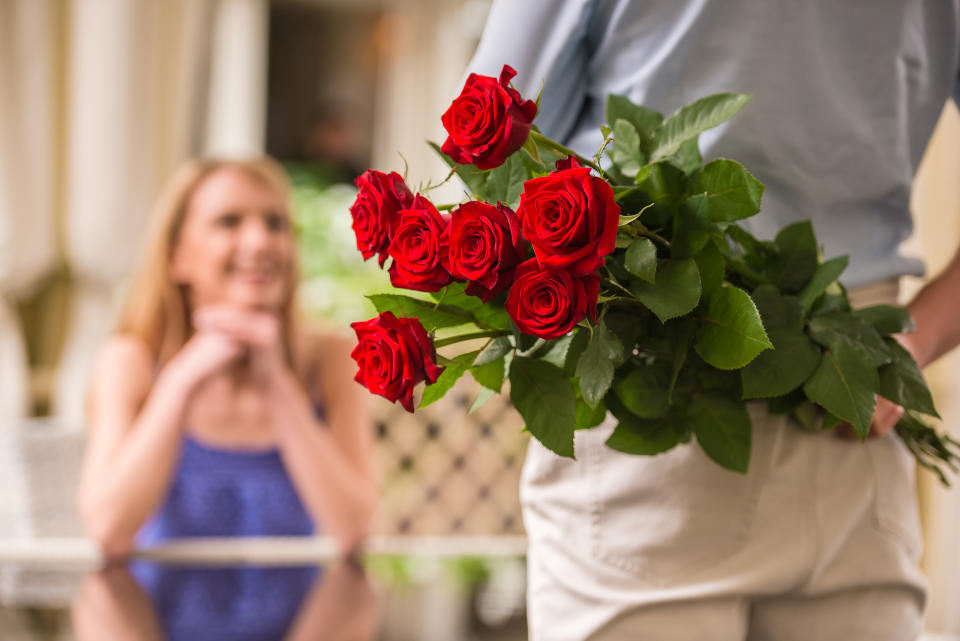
{"points": [[228, 493]]}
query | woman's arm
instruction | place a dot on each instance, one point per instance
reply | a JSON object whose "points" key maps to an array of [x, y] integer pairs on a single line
{"points": [[135, 432], [331, 464]]}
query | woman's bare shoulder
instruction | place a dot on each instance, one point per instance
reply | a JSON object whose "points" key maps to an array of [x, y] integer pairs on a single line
{"points": [[125, 363], [327, 355]]}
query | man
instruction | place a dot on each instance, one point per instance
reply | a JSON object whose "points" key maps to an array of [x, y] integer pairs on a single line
{"points": [[821, 539]]}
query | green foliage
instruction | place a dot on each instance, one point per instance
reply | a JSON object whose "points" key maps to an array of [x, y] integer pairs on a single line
{"points": [[432, 315], [845, 384], [596, 365], [732, 334], [641, 260], [732, 192], [722, 426], [692, 120], [544, 396], [451, 374], [902, 382], [676, 290], [694, 314]]}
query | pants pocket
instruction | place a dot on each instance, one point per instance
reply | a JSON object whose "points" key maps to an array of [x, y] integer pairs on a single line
{"points": [[895, 510], [666, 517]]}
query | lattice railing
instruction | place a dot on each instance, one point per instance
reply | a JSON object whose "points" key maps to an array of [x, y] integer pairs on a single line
{"points": [[447, 471]]}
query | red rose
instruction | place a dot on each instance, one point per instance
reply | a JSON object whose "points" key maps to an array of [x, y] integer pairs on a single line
{"points": [[375, 210], [485, 247], [570, 218], [547, 304], [488, 121], [418, 248], [394, 354], [570, 162]]}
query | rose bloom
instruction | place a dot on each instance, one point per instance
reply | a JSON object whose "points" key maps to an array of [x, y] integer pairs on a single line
{"points": [[547, 304], [375, 210], [394, 354], [419, 248], [570, 218], [485, 247], [488, 121]]}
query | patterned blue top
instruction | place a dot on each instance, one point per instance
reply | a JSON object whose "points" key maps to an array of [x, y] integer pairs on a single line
{"points": [[228, 492]]}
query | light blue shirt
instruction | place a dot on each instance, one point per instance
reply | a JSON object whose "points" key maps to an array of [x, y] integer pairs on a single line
{"points": [[846, 96]]}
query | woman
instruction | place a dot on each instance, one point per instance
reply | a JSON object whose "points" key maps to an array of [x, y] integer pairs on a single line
{"points": [[213, 412]]}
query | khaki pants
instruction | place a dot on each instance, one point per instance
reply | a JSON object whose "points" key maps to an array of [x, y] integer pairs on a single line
{"points": [[819, 542]]}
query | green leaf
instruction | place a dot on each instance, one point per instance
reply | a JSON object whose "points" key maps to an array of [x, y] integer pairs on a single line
{"points": [[544, 396], [688, 156], [723, 429], [644, 392], [845, 384], [792, 361], [581, 338], [431, 316], [454, 370], [847, 328], [712, 266], [675, 292], [627, 326], [475, 179], [530, 146], [691, 227], [694, 119], [626, 220], [825, 275], [484, 395], [682, 332], [496, 350], [732, 191], [556, 352], [777, 311], [645, 121], [505, 183], [490, 375], [798, 256], [587, 416], [666, 187], [625, 151], [634, 435], [488, 315], [902, 382], [887, 319], [732, 334], [597, 363], [641, 259]]}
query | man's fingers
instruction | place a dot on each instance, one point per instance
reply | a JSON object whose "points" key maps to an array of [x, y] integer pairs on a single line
{"points": [[885, 417]]}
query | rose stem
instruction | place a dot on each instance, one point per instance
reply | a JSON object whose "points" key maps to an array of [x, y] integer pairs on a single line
{"points": [[553, 144], [450, 340]]}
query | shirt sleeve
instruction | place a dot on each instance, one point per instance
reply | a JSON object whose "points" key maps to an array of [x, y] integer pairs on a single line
{"points": [[546, 42]]}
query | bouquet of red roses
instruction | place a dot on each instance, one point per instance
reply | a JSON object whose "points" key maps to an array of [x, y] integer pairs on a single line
{"points": [[621, 283]]}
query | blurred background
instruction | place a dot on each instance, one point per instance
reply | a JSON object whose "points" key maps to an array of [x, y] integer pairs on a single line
{"points": [[101, 99]]}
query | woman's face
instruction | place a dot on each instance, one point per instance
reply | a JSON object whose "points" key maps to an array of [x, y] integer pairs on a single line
{"points": [[236, 244]]}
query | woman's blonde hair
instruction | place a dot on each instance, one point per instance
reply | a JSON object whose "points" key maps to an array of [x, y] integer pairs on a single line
{"points": [[156, 309]]}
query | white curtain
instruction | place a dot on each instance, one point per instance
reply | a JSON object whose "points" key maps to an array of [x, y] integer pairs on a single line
{"points": [[27, 172], [149, 82]]}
